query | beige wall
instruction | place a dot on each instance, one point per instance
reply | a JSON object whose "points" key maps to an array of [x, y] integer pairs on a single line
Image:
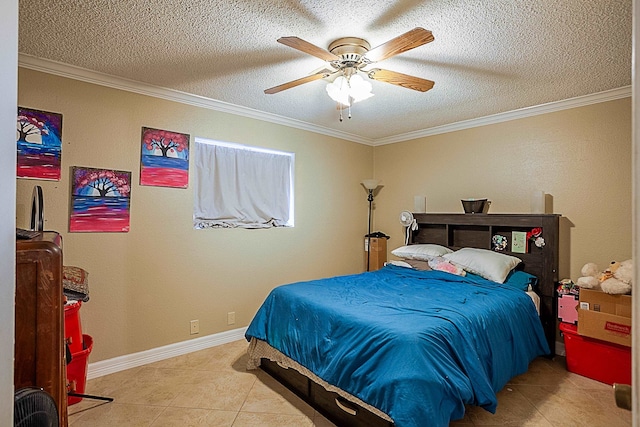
{"points": [[581, 157], [146, 285]]}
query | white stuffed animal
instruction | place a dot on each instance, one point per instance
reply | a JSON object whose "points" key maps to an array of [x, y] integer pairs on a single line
{"points": [[620, 282], [590, 277]]}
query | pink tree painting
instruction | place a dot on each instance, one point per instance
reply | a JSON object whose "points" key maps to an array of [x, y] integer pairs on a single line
{"points": [[100, 200], [164, 159]]}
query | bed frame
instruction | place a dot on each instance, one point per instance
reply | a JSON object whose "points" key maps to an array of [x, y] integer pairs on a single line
{"points": [[476, 230], [455, 231]]}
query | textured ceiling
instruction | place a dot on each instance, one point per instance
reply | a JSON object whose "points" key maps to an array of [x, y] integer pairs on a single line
{"points": [[488, 56]]}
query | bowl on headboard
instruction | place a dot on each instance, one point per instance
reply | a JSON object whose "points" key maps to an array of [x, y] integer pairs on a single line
{"points": [[473, 206]]}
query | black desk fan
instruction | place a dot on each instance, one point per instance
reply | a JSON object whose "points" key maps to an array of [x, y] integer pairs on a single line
{"points": [[34, 407]]}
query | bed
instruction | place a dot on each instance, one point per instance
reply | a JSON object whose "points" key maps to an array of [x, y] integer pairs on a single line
{"points": [[405, 347]]}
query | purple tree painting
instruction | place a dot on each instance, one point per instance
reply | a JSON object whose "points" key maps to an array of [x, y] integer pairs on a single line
{"points": [[39, 144]]}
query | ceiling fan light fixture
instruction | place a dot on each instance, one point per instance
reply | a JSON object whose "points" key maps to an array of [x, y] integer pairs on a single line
{"points": [[360, 88], [338, 90], [348, 56], [347, 91]]}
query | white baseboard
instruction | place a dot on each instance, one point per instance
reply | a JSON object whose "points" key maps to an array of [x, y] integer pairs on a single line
{"points": [[121, 363]]}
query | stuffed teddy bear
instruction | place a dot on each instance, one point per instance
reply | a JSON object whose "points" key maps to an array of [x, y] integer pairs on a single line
{"points": [[590, 277], [621, 277]]}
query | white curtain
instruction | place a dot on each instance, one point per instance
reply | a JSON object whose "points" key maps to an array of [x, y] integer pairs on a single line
{"points": [[237, 187]]}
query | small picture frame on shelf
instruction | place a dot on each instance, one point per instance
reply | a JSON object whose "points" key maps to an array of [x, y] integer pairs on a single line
{"points": [[519, 242]]}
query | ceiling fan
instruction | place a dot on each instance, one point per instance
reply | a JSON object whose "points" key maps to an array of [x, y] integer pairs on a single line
{"points": [[349, 55]]}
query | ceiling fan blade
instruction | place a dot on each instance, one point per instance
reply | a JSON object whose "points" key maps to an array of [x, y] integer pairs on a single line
{"points": [[404, 42], [306, 47], [297, 82], [404, 80]]}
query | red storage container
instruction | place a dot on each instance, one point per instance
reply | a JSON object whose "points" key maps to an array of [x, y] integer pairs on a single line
{"points": [[77, 370], [72, 326], [599, 360]]}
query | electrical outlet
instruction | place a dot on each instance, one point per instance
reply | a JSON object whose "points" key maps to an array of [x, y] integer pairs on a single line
{"points": [[231, 318], [195, 327]]}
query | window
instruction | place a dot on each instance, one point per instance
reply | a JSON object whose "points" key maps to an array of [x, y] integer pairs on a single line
{"points": [[241, 186]]}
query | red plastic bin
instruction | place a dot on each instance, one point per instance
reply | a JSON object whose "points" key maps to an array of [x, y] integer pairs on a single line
{"points": [[77, 370], [73, 327], [599, 360]]}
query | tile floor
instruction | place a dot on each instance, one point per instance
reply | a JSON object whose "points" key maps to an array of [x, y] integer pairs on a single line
{"points": [[212, 388]]}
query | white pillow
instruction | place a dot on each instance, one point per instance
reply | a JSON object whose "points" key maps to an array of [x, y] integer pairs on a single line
{"points": [[423, 252], [483, 262], [399, 264]]}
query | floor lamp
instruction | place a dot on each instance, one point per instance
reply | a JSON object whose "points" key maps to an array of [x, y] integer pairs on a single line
{"points": [[370, 185]]}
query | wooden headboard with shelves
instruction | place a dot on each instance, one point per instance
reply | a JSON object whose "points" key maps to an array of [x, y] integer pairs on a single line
{"points": [[477, 230]]}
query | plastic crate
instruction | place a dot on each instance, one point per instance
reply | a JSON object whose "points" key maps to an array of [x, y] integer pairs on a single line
{"points": [[77, 370], [73, 327], [599, 360]]}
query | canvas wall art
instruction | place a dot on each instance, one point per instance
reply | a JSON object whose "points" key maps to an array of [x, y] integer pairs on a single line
{"points": [[39, 139], [100, 200], [164, 160]]}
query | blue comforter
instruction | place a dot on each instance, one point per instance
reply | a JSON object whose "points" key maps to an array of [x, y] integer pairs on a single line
{"points": [[417, 345]]}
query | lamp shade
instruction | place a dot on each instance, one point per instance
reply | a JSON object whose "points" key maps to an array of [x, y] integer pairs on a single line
{"points": [[349, 90], [370, 184], [360, 88], [339, 90]]}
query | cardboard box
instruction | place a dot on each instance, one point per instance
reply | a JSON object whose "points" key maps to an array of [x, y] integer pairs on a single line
{"points": [[377, 255], [605, 317]]}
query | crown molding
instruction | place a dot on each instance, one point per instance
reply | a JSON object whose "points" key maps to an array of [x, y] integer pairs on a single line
{"points": [[102, 79], [579, 101], [94, 77]]}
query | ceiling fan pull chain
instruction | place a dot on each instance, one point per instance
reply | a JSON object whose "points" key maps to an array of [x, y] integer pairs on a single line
{"points": [[340, 107], [349, 110]]}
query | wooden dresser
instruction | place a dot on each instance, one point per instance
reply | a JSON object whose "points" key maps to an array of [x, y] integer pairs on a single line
{"points": [[39, 318]]}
